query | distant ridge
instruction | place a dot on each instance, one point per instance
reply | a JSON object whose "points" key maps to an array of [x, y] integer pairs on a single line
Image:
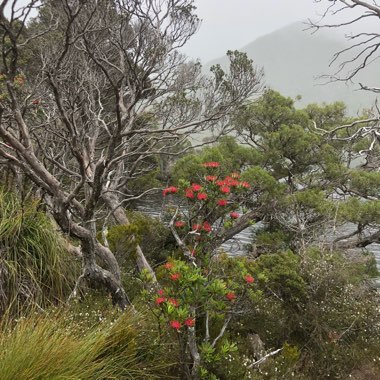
{"points": [[293, 59]]}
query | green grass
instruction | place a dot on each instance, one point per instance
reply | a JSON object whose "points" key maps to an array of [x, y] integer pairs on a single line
{"points": [[47, 347], [35, 268]]}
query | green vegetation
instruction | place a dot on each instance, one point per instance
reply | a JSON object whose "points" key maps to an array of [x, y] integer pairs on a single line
{"points": [[294, 307], [36, 269], [53, 347], [99, 110]]}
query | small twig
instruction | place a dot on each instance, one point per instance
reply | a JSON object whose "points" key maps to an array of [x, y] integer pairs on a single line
{"points": [[76, 287], [265, 357], [179, 241], [222, 330], [207, 337]]}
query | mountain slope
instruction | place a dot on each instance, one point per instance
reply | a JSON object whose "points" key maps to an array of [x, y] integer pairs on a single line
{"points": [[293, 60]]}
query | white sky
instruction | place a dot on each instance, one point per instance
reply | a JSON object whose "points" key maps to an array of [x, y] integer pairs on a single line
{"points": [[232, 24]]}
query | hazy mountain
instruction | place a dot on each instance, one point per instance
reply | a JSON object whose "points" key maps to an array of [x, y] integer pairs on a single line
{"points": [[293, 60]]}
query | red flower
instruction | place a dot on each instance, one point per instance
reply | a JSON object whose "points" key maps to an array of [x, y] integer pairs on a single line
{"points": [[232, 182], [175, 325], [169, 190], [197, 227], [225, 189], [160, 300], [189, 193], [249, 279], [190, 322], [202, 196], [221, 182], [179, 224], [160, 292], [173, 301], [207, 227], [175, 276], [193, 253], [246, 185], [234, 215], [222, 202], [169, 265], [211, 164], [196, 187], [36, 101], [231, 296], [211, 178]]}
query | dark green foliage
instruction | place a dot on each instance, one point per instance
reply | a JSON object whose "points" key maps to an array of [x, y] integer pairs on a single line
{"points": [[363, 213], [231, 155], [153, 237], [280, 273], [366, 183], [317, 309]]}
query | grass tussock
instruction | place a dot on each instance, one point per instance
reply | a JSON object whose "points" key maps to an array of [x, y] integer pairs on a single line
{"points": [[48, 348], [35, 269]]}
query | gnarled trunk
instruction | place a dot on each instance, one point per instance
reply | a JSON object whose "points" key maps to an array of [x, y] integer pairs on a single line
{"points": [[98, 276]]}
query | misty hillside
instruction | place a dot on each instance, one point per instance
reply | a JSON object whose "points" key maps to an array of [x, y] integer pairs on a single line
{"points": [[293, 60]]}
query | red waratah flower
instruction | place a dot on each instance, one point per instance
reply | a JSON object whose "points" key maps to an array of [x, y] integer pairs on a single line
{"points": [[175, 276], [233, 182], [173, 301], [160, 300], [189, 194], [196, 187], [222, 202], [234, 215], [220, 182], [190, 322], [231, 296], [202, 196], [207, 227], [175, 325], [179, 224], [211, 178], [160, 292], [249, 279], [225, 189], [169, 190], [169, 265], [211, 164], [197, 227], [235, 175], [246, 185]]}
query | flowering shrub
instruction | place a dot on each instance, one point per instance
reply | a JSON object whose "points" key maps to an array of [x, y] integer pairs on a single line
{"points": [[207, 208], [197, 301]]}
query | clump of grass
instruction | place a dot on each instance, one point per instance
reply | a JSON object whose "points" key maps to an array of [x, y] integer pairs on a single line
{"points": [[35, 269], [45, 347]]}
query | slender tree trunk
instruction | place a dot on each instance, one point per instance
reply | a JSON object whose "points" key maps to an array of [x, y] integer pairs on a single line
{"points": [[119, 214], [194, 353]]}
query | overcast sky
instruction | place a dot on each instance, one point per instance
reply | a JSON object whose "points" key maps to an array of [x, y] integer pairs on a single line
{"points": [[232, 24]]}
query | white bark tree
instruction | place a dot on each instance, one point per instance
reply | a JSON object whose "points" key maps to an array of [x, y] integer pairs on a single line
{"points": [[89, 91]]}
